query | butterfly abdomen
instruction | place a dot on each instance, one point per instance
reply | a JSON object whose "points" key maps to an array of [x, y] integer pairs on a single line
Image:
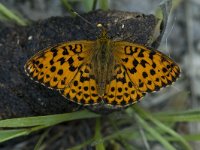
{"points": [[102, 61]]}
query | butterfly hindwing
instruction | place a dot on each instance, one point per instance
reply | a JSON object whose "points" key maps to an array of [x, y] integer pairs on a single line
{"points": [[83, 88], [121, 91], [149, 70]]}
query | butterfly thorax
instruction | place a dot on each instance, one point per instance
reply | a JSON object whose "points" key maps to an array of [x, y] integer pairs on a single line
{"points": [[102, 61]]}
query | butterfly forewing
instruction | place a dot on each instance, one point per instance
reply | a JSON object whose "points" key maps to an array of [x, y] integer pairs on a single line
{"points": [[55, 67], [149, 70]]}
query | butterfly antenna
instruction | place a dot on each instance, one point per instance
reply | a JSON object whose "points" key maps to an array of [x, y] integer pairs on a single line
{"points": [[74, 13]]}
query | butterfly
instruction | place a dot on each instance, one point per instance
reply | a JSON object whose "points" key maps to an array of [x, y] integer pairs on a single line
{"points": [[102, 71]]}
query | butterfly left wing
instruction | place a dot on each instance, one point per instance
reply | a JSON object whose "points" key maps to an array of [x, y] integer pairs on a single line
{"points": [[65, 67], [55, 67]]}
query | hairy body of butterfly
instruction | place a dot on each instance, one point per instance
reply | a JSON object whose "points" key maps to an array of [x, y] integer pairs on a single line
{"points": [[102, 71], [103, 62]]}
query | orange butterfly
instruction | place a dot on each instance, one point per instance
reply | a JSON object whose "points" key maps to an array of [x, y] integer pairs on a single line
{"points": [[116, 73]]}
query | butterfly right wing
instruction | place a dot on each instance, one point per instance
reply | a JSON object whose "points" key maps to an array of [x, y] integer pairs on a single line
{"points": [[149, 69], [139, 70], [121, 91]]}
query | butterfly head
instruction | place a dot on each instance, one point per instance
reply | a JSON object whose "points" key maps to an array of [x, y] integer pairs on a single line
{"points": [[103, 35]]}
